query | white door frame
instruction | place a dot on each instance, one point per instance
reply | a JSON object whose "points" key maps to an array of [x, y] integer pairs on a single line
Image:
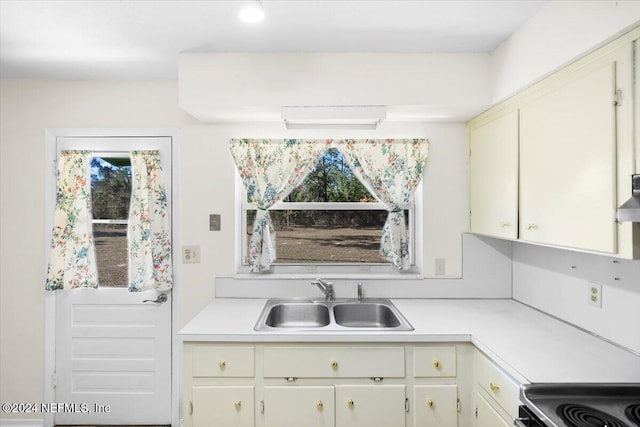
{"points": [[51, 136]]}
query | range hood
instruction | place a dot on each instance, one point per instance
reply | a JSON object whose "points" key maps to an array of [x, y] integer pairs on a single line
{"points": [[630, 210]]}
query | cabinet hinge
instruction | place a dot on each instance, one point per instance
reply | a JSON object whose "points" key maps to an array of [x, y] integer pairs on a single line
{"points": [[406, 405], [262, 406], [476, 412], [617, 97], [458, 406], [190, 408]]}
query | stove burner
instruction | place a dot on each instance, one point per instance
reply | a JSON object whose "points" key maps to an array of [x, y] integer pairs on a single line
{"points": [[584, 416], [633, 413]]}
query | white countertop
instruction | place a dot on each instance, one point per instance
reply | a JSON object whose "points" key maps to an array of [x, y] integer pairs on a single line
{"points": [[529, 345]]}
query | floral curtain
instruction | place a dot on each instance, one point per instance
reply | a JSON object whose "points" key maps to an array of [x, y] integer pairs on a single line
{"points": [[390, 170], [72, 260], [148, 230], [270, 169]]}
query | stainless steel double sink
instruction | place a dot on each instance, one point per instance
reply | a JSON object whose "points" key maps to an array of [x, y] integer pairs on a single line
{"points": [[339, 315]]}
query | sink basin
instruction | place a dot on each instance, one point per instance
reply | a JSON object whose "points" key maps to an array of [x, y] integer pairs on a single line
{"points": [[297, 315], [375, 314], [365, 315]]}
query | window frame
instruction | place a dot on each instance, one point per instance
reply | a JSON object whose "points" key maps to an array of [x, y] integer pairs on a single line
{"points": [[328, 270]]}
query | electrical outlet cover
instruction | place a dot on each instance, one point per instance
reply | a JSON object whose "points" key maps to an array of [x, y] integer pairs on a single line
{"points": [[190, 254], [595, 294]]}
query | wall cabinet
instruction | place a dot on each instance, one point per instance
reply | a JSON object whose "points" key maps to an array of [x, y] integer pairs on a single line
{"points": [[562, 151], [493, 176], [280, 385]]}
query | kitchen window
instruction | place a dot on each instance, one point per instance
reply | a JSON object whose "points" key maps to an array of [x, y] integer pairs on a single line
{"points": [[329, 224]]}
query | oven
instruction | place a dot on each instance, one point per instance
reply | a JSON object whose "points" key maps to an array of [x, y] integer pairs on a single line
{"points": [[579, 405]]}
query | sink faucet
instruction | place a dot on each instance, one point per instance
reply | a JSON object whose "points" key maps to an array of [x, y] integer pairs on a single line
{"points": [[360, 294], [326, 288]]}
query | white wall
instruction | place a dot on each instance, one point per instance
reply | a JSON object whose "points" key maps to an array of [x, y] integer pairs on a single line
{"points": [[205, 175], [556, 281], [559, 33]]}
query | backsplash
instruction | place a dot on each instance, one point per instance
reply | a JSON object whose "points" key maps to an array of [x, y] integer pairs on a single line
{"points": [[557, 282]]}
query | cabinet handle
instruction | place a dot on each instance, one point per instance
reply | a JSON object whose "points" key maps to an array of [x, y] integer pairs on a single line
{"points": [[350, 403], [238, 405], [505, 224], [430, 403], [436, 363], [531, 226], [320, 405], [494, 386], [222, 364], [334, 365]]}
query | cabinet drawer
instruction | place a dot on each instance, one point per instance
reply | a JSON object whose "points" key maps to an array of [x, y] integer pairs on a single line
{"points": [[434, 362], [436, 405], [328, 362], [498, 385], [223, 361]]}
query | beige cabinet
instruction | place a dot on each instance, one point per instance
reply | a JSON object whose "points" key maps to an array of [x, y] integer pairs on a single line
{"points": [[299, 406], [228, 406], [435, 405], [566, 144], [370, 405], [487, 416], [568, 164], [493, 176]]}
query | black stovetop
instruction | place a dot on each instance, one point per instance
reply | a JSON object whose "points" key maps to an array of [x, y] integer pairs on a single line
{"points": [[584, 405]]}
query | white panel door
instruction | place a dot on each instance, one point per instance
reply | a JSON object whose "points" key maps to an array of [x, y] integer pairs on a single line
{"points": [[299, 406], [370, 405], [568, 164], [113, 349]]}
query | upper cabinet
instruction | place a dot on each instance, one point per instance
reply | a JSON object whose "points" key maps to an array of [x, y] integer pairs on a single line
{"points": [[493, 176], [568, 164], [552, 164]]}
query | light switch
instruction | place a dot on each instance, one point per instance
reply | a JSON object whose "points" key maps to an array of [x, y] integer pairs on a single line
{"points": [[214, 222]]}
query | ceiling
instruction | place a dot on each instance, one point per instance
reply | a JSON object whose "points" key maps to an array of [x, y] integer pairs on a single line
{"points": [[141, 39]]}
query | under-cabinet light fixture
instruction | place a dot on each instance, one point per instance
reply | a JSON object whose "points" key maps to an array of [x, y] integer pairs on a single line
{"points": [[333, 117], [251, 11]]}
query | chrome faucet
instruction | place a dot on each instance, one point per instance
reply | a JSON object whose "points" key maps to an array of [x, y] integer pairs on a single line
{"points": [[360, 294], [326, 288]]}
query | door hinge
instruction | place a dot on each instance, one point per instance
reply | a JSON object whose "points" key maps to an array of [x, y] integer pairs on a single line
{"points": [[54, 380], [262, 406], [406, 405], [190, 408], [459, 406], [476, 412], [617, 97]]}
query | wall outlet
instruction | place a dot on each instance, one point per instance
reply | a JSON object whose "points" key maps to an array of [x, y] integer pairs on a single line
{"points": [[190, 254], [439, 264], [595, 294]]}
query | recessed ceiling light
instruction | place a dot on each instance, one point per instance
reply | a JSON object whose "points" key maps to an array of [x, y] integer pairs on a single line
{"points": [[251, 11]]}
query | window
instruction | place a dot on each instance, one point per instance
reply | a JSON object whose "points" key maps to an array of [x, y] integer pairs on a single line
{"points": [[329, 223], [110, 200]]}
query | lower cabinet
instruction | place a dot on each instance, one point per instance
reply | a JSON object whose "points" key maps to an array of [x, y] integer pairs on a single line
{"points": [[299, 406], [435, 405], [371, 406], [228, 406], [487, 416], [328, 385]]}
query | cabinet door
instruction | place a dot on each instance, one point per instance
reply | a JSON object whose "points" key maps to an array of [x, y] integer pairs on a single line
{"points": [[436, 405], [223, 406], [493, 177], [487, 416], [370, 405], [299, 406], [568, 164]]}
